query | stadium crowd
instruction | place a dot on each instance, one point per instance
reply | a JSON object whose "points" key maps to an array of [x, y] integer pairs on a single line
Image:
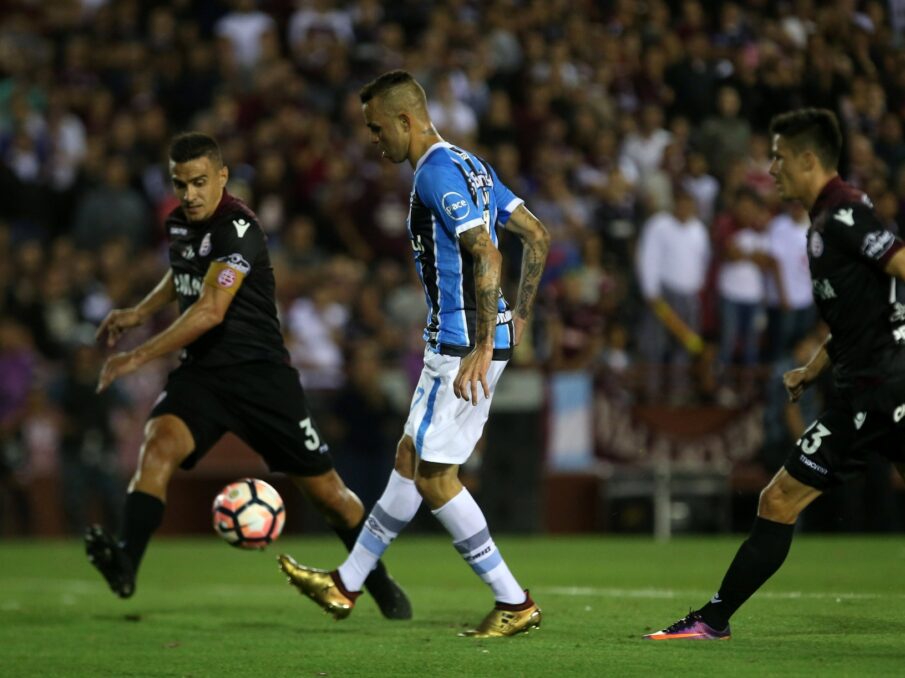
{"points": [[635, 131]]}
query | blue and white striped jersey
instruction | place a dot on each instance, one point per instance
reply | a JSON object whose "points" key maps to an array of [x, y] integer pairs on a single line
{"points": [[454, 191]]}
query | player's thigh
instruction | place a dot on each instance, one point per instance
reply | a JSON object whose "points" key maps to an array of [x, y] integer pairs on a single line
{"points": [[272, 416], [191, 408], [167, 439], [826, 455], [443, 427]]}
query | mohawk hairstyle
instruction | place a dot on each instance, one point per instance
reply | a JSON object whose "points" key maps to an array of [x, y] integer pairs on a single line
{"points": [[388, 81]]}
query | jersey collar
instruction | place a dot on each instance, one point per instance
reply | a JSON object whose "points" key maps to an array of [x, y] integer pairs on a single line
{"points": [[439, 144]]}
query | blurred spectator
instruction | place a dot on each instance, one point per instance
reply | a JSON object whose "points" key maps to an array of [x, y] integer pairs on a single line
{"points": [[740, 281], [17, 365], [725, 136], [243, 32], [673, 256], [111, 210], [702, 186], [88, 458], [575, 327], [790, 305]]}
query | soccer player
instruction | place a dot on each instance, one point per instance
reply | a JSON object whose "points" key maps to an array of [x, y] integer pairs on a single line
{"points": [[456, 205], [854, 261], [234, 375]]}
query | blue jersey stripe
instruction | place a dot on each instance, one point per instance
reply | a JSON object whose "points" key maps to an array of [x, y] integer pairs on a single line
{"points": [[428, 415]]}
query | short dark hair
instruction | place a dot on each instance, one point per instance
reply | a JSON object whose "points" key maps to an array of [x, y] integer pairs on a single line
{"points": [[191, 145], [384, 83], [813, 129]]}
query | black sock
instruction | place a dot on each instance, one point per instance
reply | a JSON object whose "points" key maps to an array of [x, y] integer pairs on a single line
{"points": [[143, 515], [761, 554], [348, 536]]}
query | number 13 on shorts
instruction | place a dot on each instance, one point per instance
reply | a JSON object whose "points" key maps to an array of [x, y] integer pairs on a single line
{"points": [[812, 438]]}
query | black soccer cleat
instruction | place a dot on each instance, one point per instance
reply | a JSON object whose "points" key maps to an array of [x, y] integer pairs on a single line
{"points": [[389, 596], [110, 560]]}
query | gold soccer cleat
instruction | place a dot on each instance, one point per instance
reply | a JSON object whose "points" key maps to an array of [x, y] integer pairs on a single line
{"points": [[323, 587], [508, 620]]}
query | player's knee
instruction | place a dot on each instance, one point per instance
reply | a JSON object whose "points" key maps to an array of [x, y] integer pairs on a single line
{"points": [[427, 487], [776, 505], [405, 457], [164, 447]]}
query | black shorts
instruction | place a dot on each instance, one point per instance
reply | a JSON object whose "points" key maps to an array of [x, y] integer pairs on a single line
{"points": [[835, 446], [261, 403]]}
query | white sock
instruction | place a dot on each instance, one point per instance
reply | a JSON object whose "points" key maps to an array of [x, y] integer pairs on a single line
{"points": [[463, 519], [393, 511]]}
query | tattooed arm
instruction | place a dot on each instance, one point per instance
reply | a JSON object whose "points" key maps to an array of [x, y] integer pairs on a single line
{"points": [[535, 245], [488, 265]]}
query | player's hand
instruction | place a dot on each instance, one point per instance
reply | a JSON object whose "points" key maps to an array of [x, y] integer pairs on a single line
{"points": [[117, 366], [117, 322], [473, 370], [796, 381]]}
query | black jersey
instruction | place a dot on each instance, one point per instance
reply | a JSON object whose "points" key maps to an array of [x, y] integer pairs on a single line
{"points": [[847, 250], [250, 331]]}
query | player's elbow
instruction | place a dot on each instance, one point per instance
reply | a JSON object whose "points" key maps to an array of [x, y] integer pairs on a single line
{"points": [[209, 315]]}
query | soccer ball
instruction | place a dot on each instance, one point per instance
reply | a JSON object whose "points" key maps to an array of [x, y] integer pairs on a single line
{"points": [[249, 514]]}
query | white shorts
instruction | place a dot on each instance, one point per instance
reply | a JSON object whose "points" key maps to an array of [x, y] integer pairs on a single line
{"points": [[446, 428]]}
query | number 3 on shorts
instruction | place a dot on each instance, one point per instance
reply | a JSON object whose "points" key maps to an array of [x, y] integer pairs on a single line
{"points": [[811, 439], [312, 440]]}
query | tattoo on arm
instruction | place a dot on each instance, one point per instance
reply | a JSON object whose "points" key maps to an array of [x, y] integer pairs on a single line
{"points": [[535, 245], [487, 272]]}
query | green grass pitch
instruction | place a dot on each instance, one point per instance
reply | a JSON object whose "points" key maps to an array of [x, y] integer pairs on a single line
{"points": [[203, 609]]}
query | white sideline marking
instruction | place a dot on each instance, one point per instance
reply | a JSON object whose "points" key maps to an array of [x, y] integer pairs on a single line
{"points": [[670, 593]]}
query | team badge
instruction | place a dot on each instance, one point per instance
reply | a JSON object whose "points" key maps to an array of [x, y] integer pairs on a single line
{"points": [[205, 248], [815, 244], [226, 278]]}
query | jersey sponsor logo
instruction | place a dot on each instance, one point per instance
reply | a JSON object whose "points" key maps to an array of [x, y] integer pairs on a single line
{"points": [[810, 463], [876, 244], [815, 244], [823, 289], [241, 226], [227, 277], [188, 253], [455, 205], [236, 261], [859, 420], [205, 248], [899, 413], [845, 216], [179, 230], [187, 285]]}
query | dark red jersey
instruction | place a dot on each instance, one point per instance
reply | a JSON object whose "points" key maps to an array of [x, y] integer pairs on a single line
{"points": [[250, 331], [848, 248]]}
